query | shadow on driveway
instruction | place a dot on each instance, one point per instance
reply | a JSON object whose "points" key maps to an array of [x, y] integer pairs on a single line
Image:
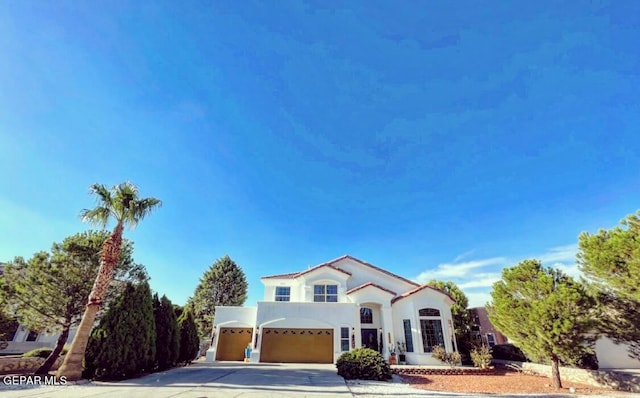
{"points": [[220, 379]]}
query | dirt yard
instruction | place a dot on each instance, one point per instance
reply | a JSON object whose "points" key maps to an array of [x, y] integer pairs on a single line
{"points": [[503, 382]]}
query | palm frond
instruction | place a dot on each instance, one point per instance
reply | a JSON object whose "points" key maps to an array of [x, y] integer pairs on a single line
{"points": [[120, 202], [96, 216], [139, 209], [104, 196]]}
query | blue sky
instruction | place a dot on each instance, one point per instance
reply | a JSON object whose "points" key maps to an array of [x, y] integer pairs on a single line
{"points": [[435, 139]]}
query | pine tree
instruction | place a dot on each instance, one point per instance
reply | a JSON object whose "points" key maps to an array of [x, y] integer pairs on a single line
{"points": [[189, 341], [50, 290], [610, 260], [167, 333], [224, 283], [123, 344], [544, 312]]}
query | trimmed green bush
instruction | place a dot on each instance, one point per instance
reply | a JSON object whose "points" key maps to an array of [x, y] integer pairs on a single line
{"points": [[167, 333], [123, 345], [189, 341], [43, 352], [508, 352], [364, 364]]}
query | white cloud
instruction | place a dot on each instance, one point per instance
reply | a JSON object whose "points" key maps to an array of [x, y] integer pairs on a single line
{"points": [[463, 255], [478, 299], [559, 254], [569, 269], [476, 277], [481, 280], [458, 270]]}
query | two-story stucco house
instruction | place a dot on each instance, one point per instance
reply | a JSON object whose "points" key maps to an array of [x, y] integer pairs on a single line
{"points": [[317, 314]]}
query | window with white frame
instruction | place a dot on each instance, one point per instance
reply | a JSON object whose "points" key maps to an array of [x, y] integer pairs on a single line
{"points": [[491, 340], [408, 337], [344, 339], [32, 336], [283, 293], [325, 293], [430, 328], [366, 315]]}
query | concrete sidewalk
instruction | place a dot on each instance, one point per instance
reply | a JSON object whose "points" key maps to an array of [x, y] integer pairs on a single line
{"points": [[200, 380]]}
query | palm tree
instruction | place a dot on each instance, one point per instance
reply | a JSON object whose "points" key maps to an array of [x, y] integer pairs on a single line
{"points": [[122, 204]]}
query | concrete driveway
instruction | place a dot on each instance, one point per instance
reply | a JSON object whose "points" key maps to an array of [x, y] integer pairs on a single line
{"points": [[200, 380]]}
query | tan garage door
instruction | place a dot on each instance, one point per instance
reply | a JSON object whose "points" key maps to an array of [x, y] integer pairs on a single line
{"points": [[297, 345], [232, 343]]}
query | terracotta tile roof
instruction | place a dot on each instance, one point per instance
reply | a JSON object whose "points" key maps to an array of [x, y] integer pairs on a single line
{"points": [[324, 265], [346, 256], [330, 264], [418, 289], [281, 276], [355, 289], [297, 274]]}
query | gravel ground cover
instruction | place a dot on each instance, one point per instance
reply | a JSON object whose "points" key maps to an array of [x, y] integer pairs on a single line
{"points": [[507, 384]]}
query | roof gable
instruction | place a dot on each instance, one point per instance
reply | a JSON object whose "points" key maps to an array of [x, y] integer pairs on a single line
{"points": [[298, 274], [371, 266], [325, 267], [419, 289], [371, 285]]}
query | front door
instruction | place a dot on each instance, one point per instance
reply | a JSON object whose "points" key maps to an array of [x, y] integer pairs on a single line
{"points": [[370, 338]]}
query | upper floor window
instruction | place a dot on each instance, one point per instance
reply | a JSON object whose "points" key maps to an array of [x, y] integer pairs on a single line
{"points": [[283, 293], [366, 315], [325, 293]]}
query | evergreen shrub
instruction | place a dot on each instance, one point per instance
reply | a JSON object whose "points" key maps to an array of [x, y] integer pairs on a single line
{"points": [[189, 340], [364, 364], [167, 333], [123, 345], [43, 352]]}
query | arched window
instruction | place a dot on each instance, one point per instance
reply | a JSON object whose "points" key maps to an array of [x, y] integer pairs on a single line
{"points": [[429, 312], [431, 328], [366, 315]]}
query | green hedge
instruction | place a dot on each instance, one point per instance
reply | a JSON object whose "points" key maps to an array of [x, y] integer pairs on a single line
{"points": [[43, 352], [364, 364]]}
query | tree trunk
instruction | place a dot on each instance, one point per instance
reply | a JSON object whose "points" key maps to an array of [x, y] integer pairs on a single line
{"points": [[555, 371], [109, 256], [72, 365], [51, 359]]}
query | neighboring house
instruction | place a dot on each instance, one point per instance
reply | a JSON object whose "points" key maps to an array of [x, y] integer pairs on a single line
{"points": [[614, 356], [25, 340], [317, 314], [22, 340], [610, 355], [482, 328]]}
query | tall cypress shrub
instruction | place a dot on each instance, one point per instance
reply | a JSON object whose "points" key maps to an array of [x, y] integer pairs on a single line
{"points": [[123, 345], [189, 341], [167, 333]]}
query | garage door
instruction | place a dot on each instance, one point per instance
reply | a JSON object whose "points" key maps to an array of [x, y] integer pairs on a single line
{"points": [[232, 343], [297, 345]]}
